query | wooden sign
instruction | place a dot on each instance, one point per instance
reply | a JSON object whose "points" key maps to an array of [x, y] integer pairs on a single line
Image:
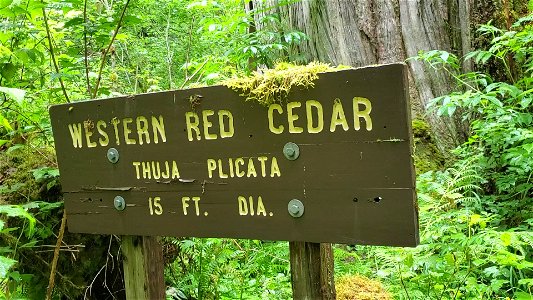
{"points": [[329, 164]]}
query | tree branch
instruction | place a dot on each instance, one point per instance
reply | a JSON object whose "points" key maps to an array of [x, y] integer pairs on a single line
{"points": [[104, 56], [189, 44], [56, 67], [51, 281], [85, 48], [194, 74]]}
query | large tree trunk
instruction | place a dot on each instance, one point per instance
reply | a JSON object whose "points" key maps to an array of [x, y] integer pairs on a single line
{"points": [[365, 32]]}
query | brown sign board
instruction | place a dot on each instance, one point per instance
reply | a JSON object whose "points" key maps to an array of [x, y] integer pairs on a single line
{"points": [[206, 163]]}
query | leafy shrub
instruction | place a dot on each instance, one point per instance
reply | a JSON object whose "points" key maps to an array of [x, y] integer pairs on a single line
{"points": [[229, 269]]}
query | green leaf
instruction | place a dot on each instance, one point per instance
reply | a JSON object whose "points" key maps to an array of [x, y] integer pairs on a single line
{"points": [[20, 212], [528, 147], [131, 20], [475, 219], [15, 148], [15, 94], [5, 123], [73, 22], [523, 296], [5, 3], [525, 102], [8, 70], [45, 173], [455, 196], [506, 238], [6, 263], [526, 281], [42, 205], [444, 56]]}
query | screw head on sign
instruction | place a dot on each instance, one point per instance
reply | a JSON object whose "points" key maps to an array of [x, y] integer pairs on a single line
{"points": [[120, 203], [112, 155], [291, 151], [296, 208]]}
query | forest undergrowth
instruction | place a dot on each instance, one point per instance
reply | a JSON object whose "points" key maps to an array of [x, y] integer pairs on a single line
{"points": [[476, 216]]}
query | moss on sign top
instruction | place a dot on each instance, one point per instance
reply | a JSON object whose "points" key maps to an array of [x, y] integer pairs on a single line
{"points": [[269, 86]]}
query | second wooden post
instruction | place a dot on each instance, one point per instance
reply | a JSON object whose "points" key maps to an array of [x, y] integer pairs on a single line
{"points": [[312, 271], [143, 268]]}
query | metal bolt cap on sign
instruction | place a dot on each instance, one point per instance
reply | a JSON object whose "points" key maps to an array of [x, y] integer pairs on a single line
{"points": [[291, 151], [296, 208], [120, 203], [112, 155]]}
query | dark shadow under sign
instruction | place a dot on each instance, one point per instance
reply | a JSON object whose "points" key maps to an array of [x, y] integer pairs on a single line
{"points": [[329, 164]]}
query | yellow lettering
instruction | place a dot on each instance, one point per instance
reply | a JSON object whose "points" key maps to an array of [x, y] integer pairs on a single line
{"points": [[142, 130], [225, 132], [196, 206], [221, 173], [75, 134], [146, 170], [105, 141], [260, 207], [192, 125], [136, 164], [238, 172], [211, 166], [88, 125], [127, 131], [175, 171], [208, 124], [115, 122], [166, 173], [251, 168], [156, 169], [292, 117], [262, 159], [309, 105], [279, 109], [365, 113], [274, 168], [243, 206], [231, 172], [338, 117], [158, 127], [185, 204], [150, 206], [251, 203], [155, 206]]}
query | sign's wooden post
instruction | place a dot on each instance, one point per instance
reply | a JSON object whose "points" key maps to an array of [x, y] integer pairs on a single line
{"points": [[143, 268], [312, 271]]}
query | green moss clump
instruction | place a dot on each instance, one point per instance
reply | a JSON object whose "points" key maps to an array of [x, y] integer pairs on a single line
{"points": [[426, 155], [270, 86], [17, 183], [420, 129], [361, 288]]}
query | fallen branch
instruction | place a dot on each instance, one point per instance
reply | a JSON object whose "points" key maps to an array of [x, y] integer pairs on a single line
{"points": [[51, 281]]}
